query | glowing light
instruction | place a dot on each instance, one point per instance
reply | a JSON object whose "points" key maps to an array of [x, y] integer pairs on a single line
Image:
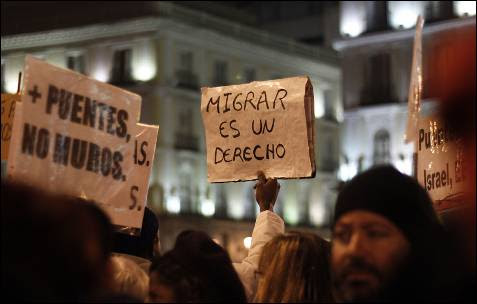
{"points": [[404, 165], [353, 18], [464, 8], [12, 66], [347, 171], [11, 84], [207, 208], [317, 213], [173, 204], [144, 61], [290, 213], [236, 209], [100, 72], [403, 14], [247, 242], [319, 102], [144, 71]]}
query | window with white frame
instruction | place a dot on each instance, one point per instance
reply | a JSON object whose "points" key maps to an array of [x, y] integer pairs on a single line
{"points": [[220, 73], [186, 77], [121, 72], [382, 149], [76, 62]]}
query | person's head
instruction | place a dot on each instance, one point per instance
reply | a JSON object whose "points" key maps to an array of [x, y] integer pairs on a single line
{"points": [[294, 267], [146, 245], [384, 228], [129, 278], [170, 282], [47, 253], [195, 270]]}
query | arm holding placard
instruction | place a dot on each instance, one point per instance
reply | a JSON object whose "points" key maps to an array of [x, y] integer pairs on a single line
{"points": [[267, 226]]}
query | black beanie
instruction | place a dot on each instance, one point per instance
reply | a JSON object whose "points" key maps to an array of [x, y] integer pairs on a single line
{"points": [[398, 197]]}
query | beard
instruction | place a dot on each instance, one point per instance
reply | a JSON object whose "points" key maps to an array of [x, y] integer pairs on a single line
{"points": [[360, 281]]}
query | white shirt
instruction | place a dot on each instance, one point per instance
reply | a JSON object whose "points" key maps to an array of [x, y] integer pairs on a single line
{"points": [[267, 225]]}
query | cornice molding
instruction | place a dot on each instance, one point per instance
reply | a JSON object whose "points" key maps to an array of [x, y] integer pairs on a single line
{"points": [[393, 36]]}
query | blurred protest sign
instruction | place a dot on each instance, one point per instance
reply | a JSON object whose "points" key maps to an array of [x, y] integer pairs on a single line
{"points": [[78, 136], [415, 86], [440, 161], [8, 110], [263, 125]]}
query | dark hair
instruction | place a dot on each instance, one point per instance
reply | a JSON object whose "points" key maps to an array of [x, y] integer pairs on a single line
{"points": [[169, 272], [53, 246], [204, 266]]}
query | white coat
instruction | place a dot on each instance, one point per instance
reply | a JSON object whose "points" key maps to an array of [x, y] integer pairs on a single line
{"points": [[267, 225]]}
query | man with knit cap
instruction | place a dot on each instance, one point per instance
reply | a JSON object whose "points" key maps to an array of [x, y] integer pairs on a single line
{"points": [[387, 240]]}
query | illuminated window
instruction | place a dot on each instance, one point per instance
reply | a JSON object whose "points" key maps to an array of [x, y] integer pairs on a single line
{"points": [[186, 61], [186, 183], [352, 18], [185, 138], [382, 151], [249, 202], [220, 73], [76, 63], [377, 89], [185, 73], [221, 201], [121, 72], [403, 14], [464, 8], [249, 75]]}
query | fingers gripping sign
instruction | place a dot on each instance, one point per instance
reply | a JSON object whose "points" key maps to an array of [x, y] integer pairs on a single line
{"points": [[266, 191]]}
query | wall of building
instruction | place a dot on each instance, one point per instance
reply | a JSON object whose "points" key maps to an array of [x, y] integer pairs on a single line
{"points": [[170, 98]]}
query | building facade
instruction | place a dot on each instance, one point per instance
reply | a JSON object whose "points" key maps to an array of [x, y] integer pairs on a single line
{"points": [[166, 58], [376, 56]]}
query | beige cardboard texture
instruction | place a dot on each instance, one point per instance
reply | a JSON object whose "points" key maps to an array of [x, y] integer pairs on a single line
{"points": [[263, 125], [78, 136]]}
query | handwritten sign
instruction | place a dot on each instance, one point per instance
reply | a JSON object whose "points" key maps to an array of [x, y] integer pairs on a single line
{"points": [[266, 125], [8, 110], [440, 160], [78, 136]]}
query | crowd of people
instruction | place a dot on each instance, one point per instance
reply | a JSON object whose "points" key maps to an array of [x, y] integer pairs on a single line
{"points": [[388, 244]]}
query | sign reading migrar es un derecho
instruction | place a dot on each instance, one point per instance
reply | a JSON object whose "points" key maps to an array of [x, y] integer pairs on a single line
{"points": [[265, 125]]}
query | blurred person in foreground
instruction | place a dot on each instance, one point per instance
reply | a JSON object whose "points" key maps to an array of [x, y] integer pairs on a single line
{"points": [[388, 243], [48, 254], [294, 267]]}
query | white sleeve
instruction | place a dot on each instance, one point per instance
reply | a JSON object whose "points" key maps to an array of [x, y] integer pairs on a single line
{"points": [[267, 226]]}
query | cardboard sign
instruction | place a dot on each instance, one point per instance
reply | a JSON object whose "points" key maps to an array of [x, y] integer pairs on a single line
{"points": [[8, 110], [78, 136], [266, 125], [440, 161]]}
